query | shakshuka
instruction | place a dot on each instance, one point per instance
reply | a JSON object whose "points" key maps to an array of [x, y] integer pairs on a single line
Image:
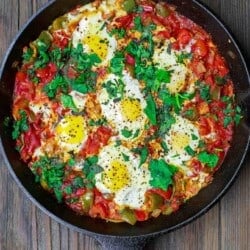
{"points": [[123, 109]]}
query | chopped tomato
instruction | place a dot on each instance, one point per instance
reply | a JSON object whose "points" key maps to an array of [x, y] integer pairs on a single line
{"points": [[228, 90], [184, 36], [130, 59], [220, 66], [21, 76], [198, 68], [164, 34], [200, 49], [125, 21], [31, 141], [47, 73], [100, 206], [92, 146], [141, 215], [94, 142], [99, 210], [60, 39], [206, 125], [23, 86], [103, 134]]}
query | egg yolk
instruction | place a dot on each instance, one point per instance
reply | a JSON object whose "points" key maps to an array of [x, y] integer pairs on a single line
{"points": [[131, 109], [116, 176], [71, 129], [179, 141], [97, 45]]}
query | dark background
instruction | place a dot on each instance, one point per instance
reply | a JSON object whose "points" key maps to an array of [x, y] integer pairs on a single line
{"points": [[226, 226]]}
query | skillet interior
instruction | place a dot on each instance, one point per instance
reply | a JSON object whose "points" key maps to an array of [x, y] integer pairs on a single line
{"points": [[194, 207]]}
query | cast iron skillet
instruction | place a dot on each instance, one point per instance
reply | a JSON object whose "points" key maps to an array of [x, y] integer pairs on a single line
{"points": [[121, 235]]}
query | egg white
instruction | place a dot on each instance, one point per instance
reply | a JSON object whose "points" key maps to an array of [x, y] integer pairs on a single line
{"points": [[93, 34], [79, 99], [132, 193], [182, 133], [113, 111], [180, 74]]}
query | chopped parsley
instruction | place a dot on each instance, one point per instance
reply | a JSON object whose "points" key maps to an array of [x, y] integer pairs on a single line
{"points": [[59, 83], [126, 133], [120, 33], [161, 174], [211, 160], [114, 88], [189, 150], [150, 109], [27, 55], [51, 172], [117, 63], [21, 125], [90, 169], [143, 152], [68, 102], [204, 91]]}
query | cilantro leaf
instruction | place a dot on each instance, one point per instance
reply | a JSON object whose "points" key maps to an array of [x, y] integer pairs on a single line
{"points": [[50, 172], [138, 23], [211, 160], [161, 174], [27, 55], [117, 63], [150, 109], [204, 91], [125, 157], [115, 88], [126, 133], [238, 115], [43, 56], [163, 75], [189, 150], [20, 125], [165, 119], [90, 169], [68, 102], [120, 33], [58, 83], [144, 155]]}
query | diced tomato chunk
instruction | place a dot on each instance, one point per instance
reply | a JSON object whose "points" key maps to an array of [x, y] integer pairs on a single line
{"points": [[220, 65], [141, 215], [23, 87], [47, 73], [125, 21], [60, 39], [31, 141], [164, 34], [92, 146], [103, 134], [184, 36], [200, 49], [130, 59]]}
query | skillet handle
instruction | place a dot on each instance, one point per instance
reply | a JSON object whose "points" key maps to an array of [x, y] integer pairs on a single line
{"points": [[122, 243]]}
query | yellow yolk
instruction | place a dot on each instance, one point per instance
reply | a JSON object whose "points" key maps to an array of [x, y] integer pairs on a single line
{"points": [[71, 129], [179, 141], [116, 176], [131, 109], [97, 45]]}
